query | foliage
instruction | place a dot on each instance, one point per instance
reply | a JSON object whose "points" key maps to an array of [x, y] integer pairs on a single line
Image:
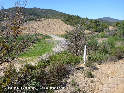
{"points": [[121, 29], [97, 56], [92, 44], [11, 29], [106, 50], [17, 46], [47, 73], [37, 49], [65, 57], [34, 76], [102, 35], [118, 52], [98, 26], [77, 40]]}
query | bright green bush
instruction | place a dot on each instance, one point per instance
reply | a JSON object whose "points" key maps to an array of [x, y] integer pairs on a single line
{"points": [[65, 58], [97, 57]]}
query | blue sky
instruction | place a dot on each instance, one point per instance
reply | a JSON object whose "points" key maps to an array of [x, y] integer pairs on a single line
{"points": [[84, 8]]}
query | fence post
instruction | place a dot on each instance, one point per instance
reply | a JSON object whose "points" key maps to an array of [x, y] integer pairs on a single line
{"points": [[84, 57]]}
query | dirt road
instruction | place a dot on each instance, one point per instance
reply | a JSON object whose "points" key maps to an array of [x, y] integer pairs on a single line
{"points": [[111, 76]]}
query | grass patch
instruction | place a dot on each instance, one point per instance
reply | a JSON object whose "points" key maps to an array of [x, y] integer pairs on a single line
{"points": [[38, 49]]}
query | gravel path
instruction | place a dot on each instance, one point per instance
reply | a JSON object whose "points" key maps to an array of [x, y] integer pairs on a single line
{"points": [[61, 43]]}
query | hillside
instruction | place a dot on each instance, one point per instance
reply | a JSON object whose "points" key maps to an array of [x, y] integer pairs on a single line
{"points": [[37, 13]]}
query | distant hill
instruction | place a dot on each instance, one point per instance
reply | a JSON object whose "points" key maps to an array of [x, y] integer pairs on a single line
{"points": [[109, 20], [37, 13], [73, 20]]}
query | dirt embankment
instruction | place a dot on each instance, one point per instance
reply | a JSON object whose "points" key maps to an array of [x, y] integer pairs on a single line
{"points": [[47, 26]]}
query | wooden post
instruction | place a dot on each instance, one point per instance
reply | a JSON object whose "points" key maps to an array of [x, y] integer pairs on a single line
{"points": [[84, 57]]}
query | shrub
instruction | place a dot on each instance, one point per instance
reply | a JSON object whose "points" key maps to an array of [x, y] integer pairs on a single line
{"points": [[105, 47], [10, 76], [92, 44], [34, 76], [57, 72], [118, 52], [66, 58], [14, 47], [76, 40], [102, 35], [98, 57]]}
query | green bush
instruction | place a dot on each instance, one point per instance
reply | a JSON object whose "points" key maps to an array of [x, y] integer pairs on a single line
{"points": [[97, 57], [118, 52], [93, 44], [18, 45], [10, 76], [102, 35], [66, 58], [57, 71], [105, 47]]}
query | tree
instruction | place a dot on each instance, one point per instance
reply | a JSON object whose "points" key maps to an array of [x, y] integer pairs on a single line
{"points": [[76, 40], [121, 28], [12, 22]]}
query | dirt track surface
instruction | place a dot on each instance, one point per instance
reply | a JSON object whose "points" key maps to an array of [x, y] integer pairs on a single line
{"points": [[61, 43], [109, 78]]}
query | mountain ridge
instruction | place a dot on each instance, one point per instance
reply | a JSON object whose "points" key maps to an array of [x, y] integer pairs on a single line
{"points": [[109, 19], [50, 12]]}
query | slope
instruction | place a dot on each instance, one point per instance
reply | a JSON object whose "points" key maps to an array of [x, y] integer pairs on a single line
{"points": [[47, 26]]}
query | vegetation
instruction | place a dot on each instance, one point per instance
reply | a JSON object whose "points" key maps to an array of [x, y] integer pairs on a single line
{"points": [[74, 20], [49, 73], [66, 58], [11, 42], [37, 49], [77, 40], [111, 47]]}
